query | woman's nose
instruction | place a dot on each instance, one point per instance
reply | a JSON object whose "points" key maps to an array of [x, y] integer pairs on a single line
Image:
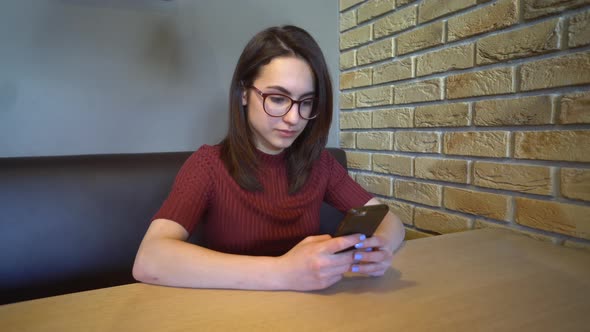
{"points": [[292, 116]]}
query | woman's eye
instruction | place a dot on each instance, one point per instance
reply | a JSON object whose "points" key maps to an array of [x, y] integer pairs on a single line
{"points": [[307, 103], [278, 99]]}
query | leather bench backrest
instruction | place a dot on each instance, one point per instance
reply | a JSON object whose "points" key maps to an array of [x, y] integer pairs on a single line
{"points": [[74, 223]]}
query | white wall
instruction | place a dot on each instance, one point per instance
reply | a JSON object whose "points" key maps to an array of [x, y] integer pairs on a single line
{"points": [[93, 77]]}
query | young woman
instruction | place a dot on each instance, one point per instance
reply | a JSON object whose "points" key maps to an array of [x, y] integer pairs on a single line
{"points": [[261, 188]]}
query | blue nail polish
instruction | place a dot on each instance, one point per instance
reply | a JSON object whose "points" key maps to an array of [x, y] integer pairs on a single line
{"points": [[358, 256], [358, 245], [369, 249], [355, 268], [363, 237]]}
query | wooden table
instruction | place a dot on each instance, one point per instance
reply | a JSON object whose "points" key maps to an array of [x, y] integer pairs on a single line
{"points": [[484, 280]]}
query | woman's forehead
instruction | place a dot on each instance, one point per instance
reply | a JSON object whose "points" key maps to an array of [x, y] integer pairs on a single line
{"points": [[292, 73]]}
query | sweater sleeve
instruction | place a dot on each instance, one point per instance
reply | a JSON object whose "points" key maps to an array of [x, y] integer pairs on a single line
{"points": [[191, 191], [342, 191]]}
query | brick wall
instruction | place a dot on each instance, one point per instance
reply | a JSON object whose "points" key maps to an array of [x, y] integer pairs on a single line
{"points": [[463, 114]]}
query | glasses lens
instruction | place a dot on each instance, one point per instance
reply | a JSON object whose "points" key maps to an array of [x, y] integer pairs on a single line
{"points": [[277, 105], [306, 109]]}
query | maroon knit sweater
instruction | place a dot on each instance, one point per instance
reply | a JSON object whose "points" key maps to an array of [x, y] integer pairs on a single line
{"points": [[256, 223]]}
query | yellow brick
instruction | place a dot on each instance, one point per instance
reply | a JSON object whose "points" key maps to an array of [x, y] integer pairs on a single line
{"points": [[514, 111], [374, 8], [482, 144], [579, 30], [534, 40], [439, 221], [417, 141], [555, 72], [377, 51], [355, 79], [355, 120], [424, 193], [492, 206], [392, 164], [537, 8], [413, 234], [376, 184], [481, 83], [450, 170], [374, 140], [374, 97], [427, 90], [392, 71], [347, 20], [496, 16], [348, 59], [575, 183], [521, 178], [358, 160], [355, 37], [403, 2], [431, 9], [346, 100], [443, 115], [553, 145], [421, 38], [404, 211], [575, 108], [347, 140], [568, 219], [345, 4], [393, 118], [398, 21], [458, 57]]}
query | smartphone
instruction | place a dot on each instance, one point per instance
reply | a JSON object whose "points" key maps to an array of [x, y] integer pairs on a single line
{"points": [[363, 220]]}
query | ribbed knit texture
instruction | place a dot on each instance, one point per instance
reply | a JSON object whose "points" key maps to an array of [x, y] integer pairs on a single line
{"points": [[256, 223]]}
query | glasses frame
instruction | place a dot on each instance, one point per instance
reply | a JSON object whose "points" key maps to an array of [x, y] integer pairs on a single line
{"points": [[293, 101]]}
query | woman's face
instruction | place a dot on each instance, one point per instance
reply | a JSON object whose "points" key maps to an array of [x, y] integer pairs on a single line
{"points": [[289, 76]]}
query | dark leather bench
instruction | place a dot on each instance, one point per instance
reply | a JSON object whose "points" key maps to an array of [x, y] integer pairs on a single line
{"points": [[74, 223]]}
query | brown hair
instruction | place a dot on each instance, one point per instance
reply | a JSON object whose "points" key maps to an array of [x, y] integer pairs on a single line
{"points": [[237, 148]]}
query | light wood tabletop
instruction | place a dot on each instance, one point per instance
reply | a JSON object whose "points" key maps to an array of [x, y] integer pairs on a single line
{"points": [[483, 280]]}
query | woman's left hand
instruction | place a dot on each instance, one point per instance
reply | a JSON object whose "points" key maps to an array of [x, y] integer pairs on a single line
{"points": [[376, 255], [375, 258]]}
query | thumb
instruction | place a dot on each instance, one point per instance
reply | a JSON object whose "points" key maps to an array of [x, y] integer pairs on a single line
{"points": [[344, 242]]}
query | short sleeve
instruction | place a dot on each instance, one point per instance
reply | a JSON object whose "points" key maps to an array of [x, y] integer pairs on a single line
{"points": [[191, 191], [342, 191]]}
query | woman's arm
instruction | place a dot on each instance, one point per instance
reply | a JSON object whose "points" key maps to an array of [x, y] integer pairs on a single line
{"points": [[165, 259]]}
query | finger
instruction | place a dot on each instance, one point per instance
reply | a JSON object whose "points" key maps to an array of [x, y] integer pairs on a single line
{"points": [[335, 271], [370, 268], [347, 258], [316, 238], [375, 256], [342, 259], [375, 241], [344, 242]]}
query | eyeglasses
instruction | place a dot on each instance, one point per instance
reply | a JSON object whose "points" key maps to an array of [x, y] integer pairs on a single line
{"points": [[278, 105]]}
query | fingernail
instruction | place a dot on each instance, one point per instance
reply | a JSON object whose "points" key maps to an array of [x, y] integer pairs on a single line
{"points": [[355, 268], [358, 256], [358, 245], [363, 237], [369, 249]]}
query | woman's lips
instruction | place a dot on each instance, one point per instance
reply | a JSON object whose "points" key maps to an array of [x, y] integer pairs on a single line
{"points": [[286, 133]]}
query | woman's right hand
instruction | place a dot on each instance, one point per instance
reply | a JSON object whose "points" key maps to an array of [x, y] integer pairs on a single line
{"points": [[314, 263]]}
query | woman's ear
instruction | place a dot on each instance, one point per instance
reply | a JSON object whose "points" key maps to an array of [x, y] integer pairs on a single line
{"points": [[244, 97]]}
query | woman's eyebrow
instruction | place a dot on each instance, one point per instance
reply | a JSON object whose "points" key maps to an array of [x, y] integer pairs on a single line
{"points": [[285, 91]]}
